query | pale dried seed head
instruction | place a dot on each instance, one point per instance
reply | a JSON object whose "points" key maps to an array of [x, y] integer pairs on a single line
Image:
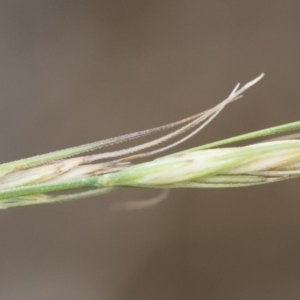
{"points": [[38, 174]]}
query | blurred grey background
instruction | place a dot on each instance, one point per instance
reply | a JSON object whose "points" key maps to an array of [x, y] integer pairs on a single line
{"points": [[73, 72]]}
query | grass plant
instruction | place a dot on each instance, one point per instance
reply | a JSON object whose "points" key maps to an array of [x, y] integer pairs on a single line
{"points": [[45, 178]]}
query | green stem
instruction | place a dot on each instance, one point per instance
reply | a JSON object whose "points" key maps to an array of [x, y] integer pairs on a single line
{"points": [[248, 136], [42, 198], [48, 187]]}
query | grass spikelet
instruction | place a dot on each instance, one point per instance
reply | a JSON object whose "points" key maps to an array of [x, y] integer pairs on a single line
{"points": [[33, 180]]}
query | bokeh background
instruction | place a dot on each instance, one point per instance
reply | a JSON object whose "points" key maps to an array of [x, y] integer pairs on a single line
{"points": [[73, 72]]}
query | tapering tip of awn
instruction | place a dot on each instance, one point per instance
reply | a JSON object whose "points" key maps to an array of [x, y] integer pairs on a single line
{"points": [[252, 82], [234, 90], [237, 91]]}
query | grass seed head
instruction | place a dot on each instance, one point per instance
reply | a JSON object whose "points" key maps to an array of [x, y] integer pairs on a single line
{"points": [[29, 181]]}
